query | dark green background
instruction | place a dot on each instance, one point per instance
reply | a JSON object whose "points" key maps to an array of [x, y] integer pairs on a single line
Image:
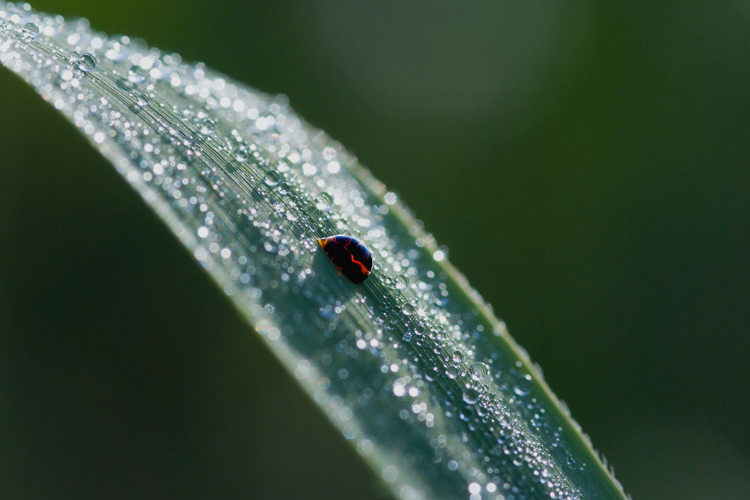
{"points": [[586, 162]]}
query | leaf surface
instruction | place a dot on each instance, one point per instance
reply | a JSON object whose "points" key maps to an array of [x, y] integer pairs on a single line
{"points": [[411, 366]]}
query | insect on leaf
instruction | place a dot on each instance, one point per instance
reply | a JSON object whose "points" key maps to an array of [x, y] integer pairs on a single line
{"points": [[410, 364]]}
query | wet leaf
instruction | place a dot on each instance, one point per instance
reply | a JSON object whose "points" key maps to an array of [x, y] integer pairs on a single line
{"points": [[411, 365]]}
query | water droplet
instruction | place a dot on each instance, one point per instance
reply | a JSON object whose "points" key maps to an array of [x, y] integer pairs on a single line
{"points": [[467, 413], [142, 100], [207, 126], [523, 385], [87, 62], [73, 58], [458, 357], [407, 337], [136, 74], [402, 281], [272, 178], [408, 309], [285, 188], [323, 202], [241, 154], [471, 396], [478, 371], [30, 31], [293, 214]]}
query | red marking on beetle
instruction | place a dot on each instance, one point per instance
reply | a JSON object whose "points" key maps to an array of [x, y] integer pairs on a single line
{"points": [[350, 255]]}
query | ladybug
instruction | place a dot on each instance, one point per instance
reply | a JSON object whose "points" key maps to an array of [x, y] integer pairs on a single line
{"points": [[350, 255]]}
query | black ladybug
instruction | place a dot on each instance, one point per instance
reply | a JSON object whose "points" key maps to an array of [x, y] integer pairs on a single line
{"points": [[350, 255]]}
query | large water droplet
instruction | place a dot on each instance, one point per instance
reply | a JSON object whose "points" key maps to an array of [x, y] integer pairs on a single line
{"points": [[471, 396], [241, 154], [458, 357], [523, 385], [292, 214], [142, 100], [478, 371], [402, 281], [136, 74], [207, 126], [272, 178], [323, 202], [73, 59], [408, 309], [467, 413], [30, 31], [87, 62]]}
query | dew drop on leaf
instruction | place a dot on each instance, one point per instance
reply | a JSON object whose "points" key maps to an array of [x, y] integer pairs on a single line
{"points": [[402, 281], [323, 202], [142, 100], [523, 385], [272, 177], [478, 371], [241, 154], [467, 413], [293, 214], [87, 62], [471, 396], [207, 126], [30, 31], [73, 59], [136, 74]]}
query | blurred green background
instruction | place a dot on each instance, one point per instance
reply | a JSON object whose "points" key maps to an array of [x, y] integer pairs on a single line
{"points": [[586, 162]]}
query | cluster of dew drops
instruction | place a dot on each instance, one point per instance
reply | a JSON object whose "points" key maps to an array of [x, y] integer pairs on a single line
{"points": [[275, 174]]}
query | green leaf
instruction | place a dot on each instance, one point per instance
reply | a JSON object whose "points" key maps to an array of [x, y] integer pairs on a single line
{"points": [[411, 366]]}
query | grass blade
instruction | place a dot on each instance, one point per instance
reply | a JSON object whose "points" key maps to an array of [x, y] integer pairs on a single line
{"points": [[411, 366]]}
